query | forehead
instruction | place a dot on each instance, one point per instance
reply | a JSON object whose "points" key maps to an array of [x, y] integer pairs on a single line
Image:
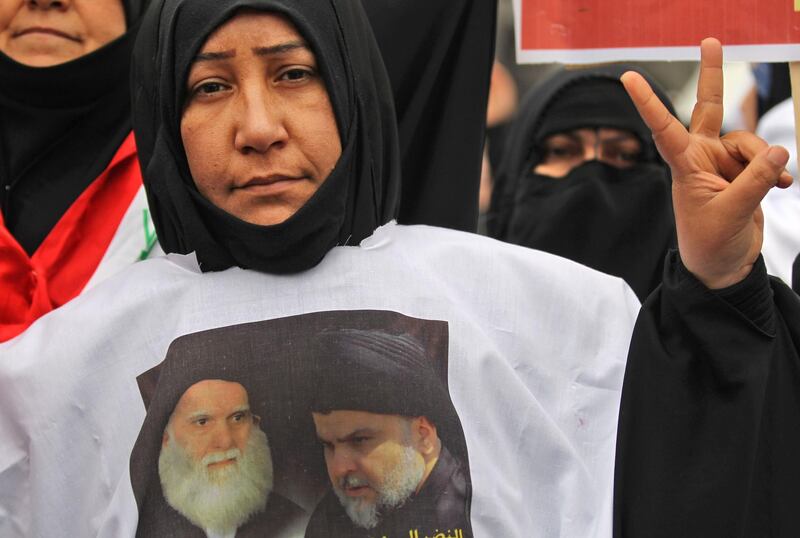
{"points": [[600, 132], [249, 28], [211, 395], [338, 424]]}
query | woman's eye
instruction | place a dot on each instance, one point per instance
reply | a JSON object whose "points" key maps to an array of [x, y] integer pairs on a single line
{"points": [[621, 156], [629, 157], [561, 152], [296, 74], [209, 88]]}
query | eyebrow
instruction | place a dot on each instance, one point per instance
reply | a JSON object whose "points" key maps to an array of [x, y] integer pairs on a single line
{"points": [[619, 138], [357, 433], [349, 436], [281, 48], [198, 414], [241, 409]]}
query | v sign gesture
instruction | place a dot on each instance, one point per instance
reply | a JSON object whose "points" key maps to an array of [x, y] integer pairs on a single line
{"points": [[718, 181]]}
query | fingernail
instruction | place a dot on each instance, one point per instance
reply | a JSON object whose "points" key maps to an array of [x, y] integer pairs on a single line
{"points": [[778, 156]]}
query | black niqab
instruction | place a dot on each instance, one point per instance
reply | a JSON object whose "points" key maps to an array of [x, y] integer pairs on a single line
{"points": [[360, 194], [618, 221], [60, 127]]}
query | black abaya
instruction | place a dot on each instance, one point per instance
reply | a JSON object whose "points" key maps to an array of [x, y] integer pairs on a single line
{"points": [[709, 431], [439, 59]]}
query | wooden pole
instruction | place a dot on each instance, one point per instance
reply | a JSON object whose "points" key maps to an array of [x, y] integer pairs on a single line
{"points": [[794, 75]]}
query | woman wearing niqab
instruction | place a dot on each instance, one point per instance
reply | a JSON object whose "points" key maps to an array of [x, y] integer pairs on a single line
{"points": [[616, 219], [70, 214], [536, 344]]}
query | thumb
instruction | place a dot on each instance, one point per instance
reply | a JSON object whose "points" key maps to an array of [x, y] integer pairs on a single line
{"points": [[748, 189]]}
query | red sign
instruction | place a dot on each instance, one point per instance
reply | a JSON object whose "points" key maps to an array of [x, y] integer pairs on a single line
{"points": [[756, 30]]}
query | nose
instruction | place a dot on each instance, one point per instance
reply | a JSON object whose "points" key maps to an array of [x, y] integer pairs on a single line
{"points": [[591, 151], [340, 464], [222, 438], [260, 121], [60, 5]]}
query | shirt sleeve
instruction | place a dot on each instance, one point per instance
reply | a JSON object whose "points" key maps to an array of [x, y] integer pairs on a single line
{"points": [[709, 427]]}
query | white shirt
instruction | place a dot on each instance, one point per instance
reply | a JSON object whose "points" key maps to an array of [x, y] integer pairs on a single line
{"points": [[781, 206], [537, 349]]}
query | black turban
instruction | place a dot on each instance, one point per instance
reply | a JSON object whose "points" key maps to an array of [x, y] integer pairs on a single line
{"points": [[377, 372]]}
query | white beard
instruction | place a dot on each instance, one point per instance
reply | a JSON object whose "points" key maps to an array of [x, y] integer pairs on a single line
{"points": [[400, 482], [218, 500]]}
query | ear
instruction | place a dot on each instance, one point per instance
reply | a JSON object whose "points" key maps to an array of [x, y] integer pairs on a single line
{"points": [[165, 439], [427, 438], [256, 420]]}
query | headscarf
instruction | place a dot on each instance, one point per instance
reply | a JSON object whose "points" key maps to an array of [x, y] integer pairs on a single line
{"points": [[618, 221], [360, 194], [60, 126]]}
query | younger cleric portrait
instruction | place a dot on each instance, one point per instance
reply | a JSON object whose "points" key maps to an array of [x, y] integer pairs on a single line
{"points": [[384, 420]]}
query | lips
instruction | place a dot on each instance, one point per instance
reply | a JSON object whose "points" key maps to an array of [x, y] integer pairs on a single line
{"points": [[221, 463], [46, 30], [269, 180], [354, 486], [271, 185], [356, 491]]}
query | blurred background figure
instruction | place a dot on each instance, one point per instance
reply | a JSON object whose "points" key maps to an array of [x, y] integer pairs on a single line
{"points": [[581, 178], [767, 109], [782, 207], [72, 210], [503, 99]]}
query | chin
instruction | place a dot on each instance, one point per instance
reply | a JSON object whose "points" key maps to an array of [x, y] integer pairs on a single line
{"points": [[268, 216]]}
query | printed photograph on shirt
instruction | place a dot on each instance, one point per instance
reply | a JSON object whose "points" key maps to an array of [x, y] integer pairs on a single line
{"points": [[329, 424]]}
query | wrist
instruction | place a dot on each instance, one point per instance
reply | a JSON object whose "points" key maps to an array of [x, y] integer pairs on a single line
{"points": [[721, 281]]}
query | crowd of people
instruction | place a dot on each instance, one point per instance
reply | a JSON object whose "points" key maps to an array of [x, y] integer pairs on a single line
{"points": [[241, 292]]}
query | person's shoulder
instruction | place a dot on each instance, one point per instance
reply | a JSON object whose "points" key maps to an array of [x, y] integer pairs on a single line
{"points": [[475, 257], [326, 518], [279, 507], [281, 518], [133, 293]]}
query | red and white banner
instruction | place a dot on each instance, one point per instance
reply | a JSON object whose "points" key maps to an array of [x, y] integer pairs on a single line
{"points": [[589, 31]]}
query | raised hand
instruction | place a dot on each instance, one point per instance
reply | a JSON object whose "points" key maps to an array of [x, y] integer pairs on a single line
{"points": [[718, 182]]}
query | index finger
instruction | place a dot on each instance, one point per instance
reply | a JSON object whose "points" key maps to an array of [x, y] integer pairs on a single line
{"points": [[669, 134], [707, 112]]}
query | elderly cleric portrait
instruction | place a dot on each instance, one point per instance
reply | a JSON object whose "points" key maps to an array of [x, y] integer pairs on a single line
{"points": [[215, 467], [383, 419]]}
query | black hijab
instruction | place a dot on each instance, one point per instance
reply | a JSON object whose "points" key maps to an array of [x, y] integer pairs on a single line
{"points": [[360, 194], [60, 126], [618, 221]]}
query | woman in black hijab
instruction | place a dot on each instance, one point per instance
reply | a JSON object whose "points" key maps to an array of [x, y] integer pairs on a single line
{"points": [[68, 167], [359, 194], [581, 178], [363, 191]]}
